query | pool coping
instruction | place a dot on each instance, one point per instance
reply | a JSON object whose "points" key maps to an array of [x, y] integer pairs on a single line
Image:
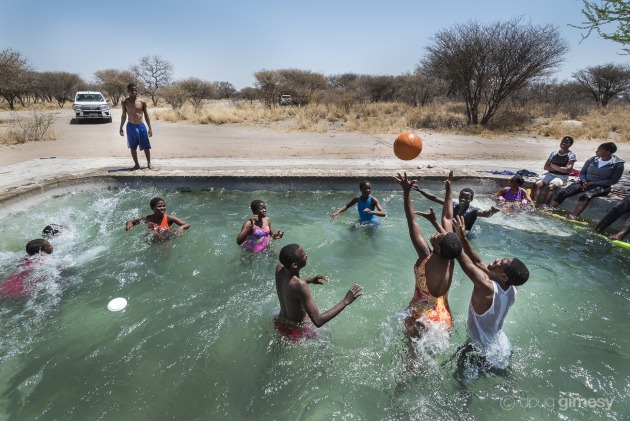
{"points": [[37, 180]]}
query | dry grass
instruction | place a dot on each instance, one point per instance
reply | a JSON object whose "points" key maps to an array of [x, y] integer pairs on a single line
{"points": [[22, 129], [29, 106], [537, 120]]}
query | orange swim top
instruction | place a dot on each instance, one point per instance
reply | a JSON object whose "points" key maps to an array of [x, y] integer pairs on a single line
{"points": [[423, 305], [155, 227]]}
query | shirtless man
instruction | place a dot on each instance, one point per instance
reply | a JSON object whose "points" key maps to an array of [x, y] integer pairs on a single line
{"points": [[296, 302], [136, 130]]}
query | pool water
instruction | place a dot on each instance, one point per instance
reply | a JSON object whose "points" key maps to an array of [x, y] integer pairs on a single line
{"points": [[196, 340]]}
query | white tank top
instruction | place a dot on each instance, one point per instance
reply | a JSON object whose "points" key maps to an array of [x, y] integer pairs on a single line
{"points": [[484, 330]]}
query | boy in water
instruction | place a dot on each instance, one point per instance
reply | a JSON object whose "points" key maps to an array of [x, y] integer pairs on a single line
{"points": [[558, 167], [17, 285], [494, 292], [433, 270], [463, 208], [367, 205], [296, 302], [159, 222], [136, 130]]}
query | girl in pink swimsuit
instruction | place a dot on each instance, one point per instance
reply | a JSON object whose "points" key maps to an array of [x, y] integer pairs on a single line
{"points": [[257, 232]]}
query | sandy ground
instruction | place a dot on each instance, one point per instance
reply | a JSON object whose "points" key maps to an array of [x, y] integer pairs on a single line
{"points": [[185, 151], [175, 140]]}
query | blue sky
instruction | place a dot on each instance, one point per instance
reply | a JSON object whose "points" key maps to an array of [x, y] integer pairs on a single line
{"points": [[231, 40]]}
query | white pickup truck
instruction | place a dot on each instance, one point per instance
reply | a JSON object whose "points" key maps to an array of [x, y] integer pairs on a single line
{"points": [[91, 105]]}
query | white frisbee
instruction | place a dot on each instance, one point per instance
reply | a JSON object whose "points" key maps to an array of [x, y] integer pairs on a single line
{"points": [[117, 304]]}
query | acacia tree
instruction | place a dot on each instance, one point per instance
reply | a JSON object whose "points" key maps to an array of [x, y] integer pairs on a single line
{"points": [[488, 63], [224, 90], [174, 95], [267, 84], [599, 16], [604, 82], [16, 76], [301, 84], [59, 85], [197, 90], [417, 89], [376, 88], [114, 82], [249, 94], [155, 73]]}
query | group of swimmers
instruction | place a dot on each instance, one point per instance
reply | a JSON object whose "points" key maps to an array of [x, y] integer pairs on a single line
{"points": [[494, 285]]}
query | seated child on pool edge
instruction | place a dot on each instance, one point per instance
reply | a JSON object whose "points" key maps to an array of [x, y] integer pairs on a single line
{"points": [[256, 232], [159, 222], [296, 303], [367, 205], [558, 167]]}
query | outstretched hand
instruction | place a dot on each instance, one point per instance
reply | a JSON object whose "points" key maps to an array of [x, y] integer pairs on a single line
{"points": [[404, 181], [319, 279], [429, 216], [460, 226], [353, 293], [278, 234], [449, 179]]}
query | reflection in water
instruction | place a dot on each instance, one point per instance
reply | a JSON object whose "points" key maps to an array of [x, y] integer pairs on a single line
{"points": [[197, 340]]}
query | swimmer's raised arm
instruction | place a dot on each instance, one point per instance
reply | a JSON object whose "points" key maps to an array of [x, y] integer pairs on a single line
{"points": [[432, 218], [418, 241], [319, 319], [317, 279], [429, 196], [447, 206]]}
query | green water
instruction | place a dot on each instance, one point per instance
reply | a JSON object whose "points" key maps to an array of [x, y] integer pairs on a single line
{"points": [[196, 340]]}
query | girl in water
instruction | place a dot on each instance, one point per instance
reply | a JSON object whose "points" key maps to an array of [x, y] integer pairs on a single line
{"points": [[159, 223], [257, 232], [514, 195]]}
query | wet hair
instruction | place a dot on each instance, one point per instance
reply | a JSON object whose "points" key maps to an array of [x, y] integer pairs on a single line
{"points": [[131, 85], [609, 147], [450, 246], [35, 246], [468, 190], [255, 204], [568, 138], [51, 230], [518, 179], [363, 184], [153, 203], [288, 255], [517, 273]]}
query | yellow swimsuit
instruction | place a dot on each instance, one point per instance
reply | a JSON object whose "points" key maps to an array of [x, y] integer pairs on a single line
{"points": [[426, 306]]}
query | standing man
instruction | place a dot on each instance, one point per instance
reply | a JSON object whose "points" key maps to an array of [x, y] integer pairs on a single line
{"points": [[136, 131]]}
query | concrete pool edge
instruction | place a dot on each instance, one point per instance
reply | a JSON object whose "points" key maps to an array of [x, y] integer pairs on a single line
{"points": [[36, 180]]}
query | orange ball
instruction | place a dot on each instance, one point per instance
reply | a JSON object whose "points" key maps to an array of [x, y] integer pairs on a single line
{"points": [[407, 146]]}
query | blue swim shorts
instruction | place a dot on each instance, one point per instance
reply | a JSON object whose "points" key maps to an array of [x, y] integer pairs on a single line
{"points": [[137, 136]]}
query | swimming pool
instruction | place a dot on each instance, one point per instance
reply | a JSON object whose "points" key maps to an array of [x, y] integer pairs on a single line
{"points": [[196, 340]]}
